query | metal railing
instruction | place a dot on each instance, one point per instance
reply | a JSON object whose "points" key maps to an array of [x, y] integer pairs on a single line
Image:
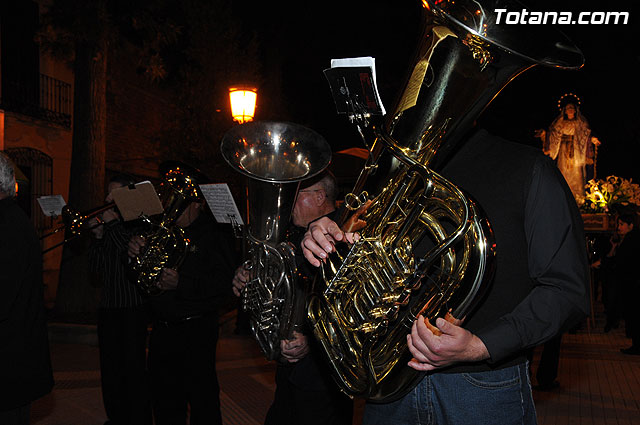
{"points": [[49, 101]]}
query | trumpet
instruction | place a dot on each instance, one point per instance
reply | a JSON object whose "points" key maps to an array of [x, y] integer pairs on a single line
{"points": [[75, 223]]}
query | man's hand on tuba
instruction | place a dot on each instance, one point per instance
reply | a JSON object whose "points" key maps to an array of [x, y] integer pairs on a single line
{"points": [[240, 279], [354, 222], [320, 239], [293, 350], [169, 279], [322, 234], [135, 246], [433, 348]]}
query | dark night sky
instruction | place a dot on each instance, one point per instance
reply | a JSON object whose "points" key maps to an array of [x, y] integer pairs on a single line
{"points": [[303, 37]]}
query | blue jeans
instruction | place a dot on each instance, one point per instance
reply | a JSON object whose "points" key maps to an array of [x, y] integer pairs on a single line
{"points": [[495, 397]]}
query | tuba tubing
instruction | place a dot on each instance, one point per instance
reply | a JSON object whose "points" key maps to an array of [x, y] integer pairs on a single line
{"points": [[165, 243]]}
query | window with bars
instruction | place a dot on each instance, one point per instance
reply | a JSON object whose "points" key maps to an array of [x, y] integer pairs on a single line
{"points": [[37, 167]]}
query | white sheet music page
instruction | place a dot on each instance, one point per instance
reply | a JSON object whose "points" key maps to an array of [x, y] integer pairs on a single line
{"points": [[51, 205], [221, 203], [364, 61]]}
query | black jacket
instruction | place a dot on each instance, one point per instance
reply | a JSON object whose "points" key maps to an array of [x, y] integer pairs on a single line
{"points": [[25, 363]]}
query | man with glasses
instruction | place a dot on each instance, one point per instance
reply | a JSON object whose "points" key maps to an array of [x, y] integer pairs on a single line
{"points": [[305, 393]]}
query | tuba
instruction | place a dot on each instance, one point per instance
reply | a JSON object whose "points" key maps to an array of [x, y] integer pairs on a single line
{"points": [[427, 248], [166, 244], [275, 157]]}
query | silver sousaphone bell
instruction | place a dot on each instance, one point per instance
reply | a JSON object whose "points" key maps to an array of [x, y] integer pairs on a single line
{"points": [[276, 157]]}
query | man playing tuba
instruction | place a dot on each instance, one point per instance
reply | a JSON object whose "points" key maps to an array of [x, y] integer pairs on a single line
{"points": [[304, 392], [477, 370], [182, 346], [407, 321]]}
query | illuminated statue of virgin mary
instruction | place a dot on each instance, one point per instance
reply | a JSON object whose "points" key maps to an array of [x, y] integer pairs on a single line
{"points": [[569, 142]]}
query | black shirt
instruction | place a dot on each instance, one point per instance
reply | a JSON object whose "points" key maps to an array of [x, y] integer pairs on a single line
{"points": [[541, 286]]}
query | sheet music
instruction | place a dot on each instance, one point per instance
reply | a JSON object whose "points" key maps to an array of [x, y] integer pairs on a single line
{"points": [[221, 203], [136, 201], [51, 205], [363, 62]]}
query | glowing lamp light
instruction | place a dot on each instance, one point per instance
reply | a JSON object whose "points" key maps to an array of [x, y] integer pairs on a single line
{"points": [[243, 103]]}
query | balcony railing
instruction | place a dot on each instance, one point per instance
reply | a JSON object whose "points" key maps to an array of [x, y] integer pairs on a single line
{"points": [[51, 101]]}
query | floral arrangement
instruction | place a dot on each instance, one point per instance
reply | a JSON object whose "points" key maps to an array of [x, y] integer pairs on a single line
{"points": [[610, 195]]}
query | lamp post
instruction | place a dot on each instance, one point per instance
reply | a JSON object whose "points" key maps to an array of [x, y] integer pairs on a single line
{"points": [[243, 103]]}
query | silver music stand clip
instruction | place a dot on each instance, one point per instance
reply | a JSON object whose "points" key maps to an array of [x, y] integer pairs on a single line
{"points": [[238, 230]]}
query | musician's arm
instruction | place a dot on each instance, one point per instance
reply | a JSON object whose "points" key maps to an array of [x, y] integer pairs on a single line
{"points": [[557, 264]]}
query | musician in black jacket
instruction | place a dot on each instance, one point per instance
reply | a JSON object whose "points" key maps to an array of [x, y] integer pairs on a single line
{"points": [[182, 347], [305, 392], [25, 364], [622, 260], [123, 319], [477, 370]]}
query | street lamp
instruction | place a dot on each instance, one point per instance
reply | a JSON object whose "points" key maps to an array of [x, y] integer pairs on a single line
{"points": [[243, 103]]}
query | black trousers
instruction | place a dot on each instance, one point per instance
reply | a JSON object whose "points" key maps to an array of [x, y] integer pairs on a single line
{"points": [[309, 403], [17, 416], [548, 367], [631, 313], [613, 299], [182, 359], [122, 335]]}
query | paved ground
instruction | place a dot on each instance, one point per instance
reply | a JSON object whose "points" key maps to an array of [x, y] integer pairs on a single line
{"points": [[599, 385]]}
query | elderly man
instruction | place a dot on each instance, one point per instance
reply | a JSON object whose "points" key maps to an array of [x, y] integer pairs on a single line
{"points": [[304, 392], [25, 365]]}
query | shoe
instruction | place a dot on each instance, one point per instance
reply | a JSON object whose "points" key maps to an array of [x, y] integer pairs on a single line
{"points": [[631, 350], [547, 386]]}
